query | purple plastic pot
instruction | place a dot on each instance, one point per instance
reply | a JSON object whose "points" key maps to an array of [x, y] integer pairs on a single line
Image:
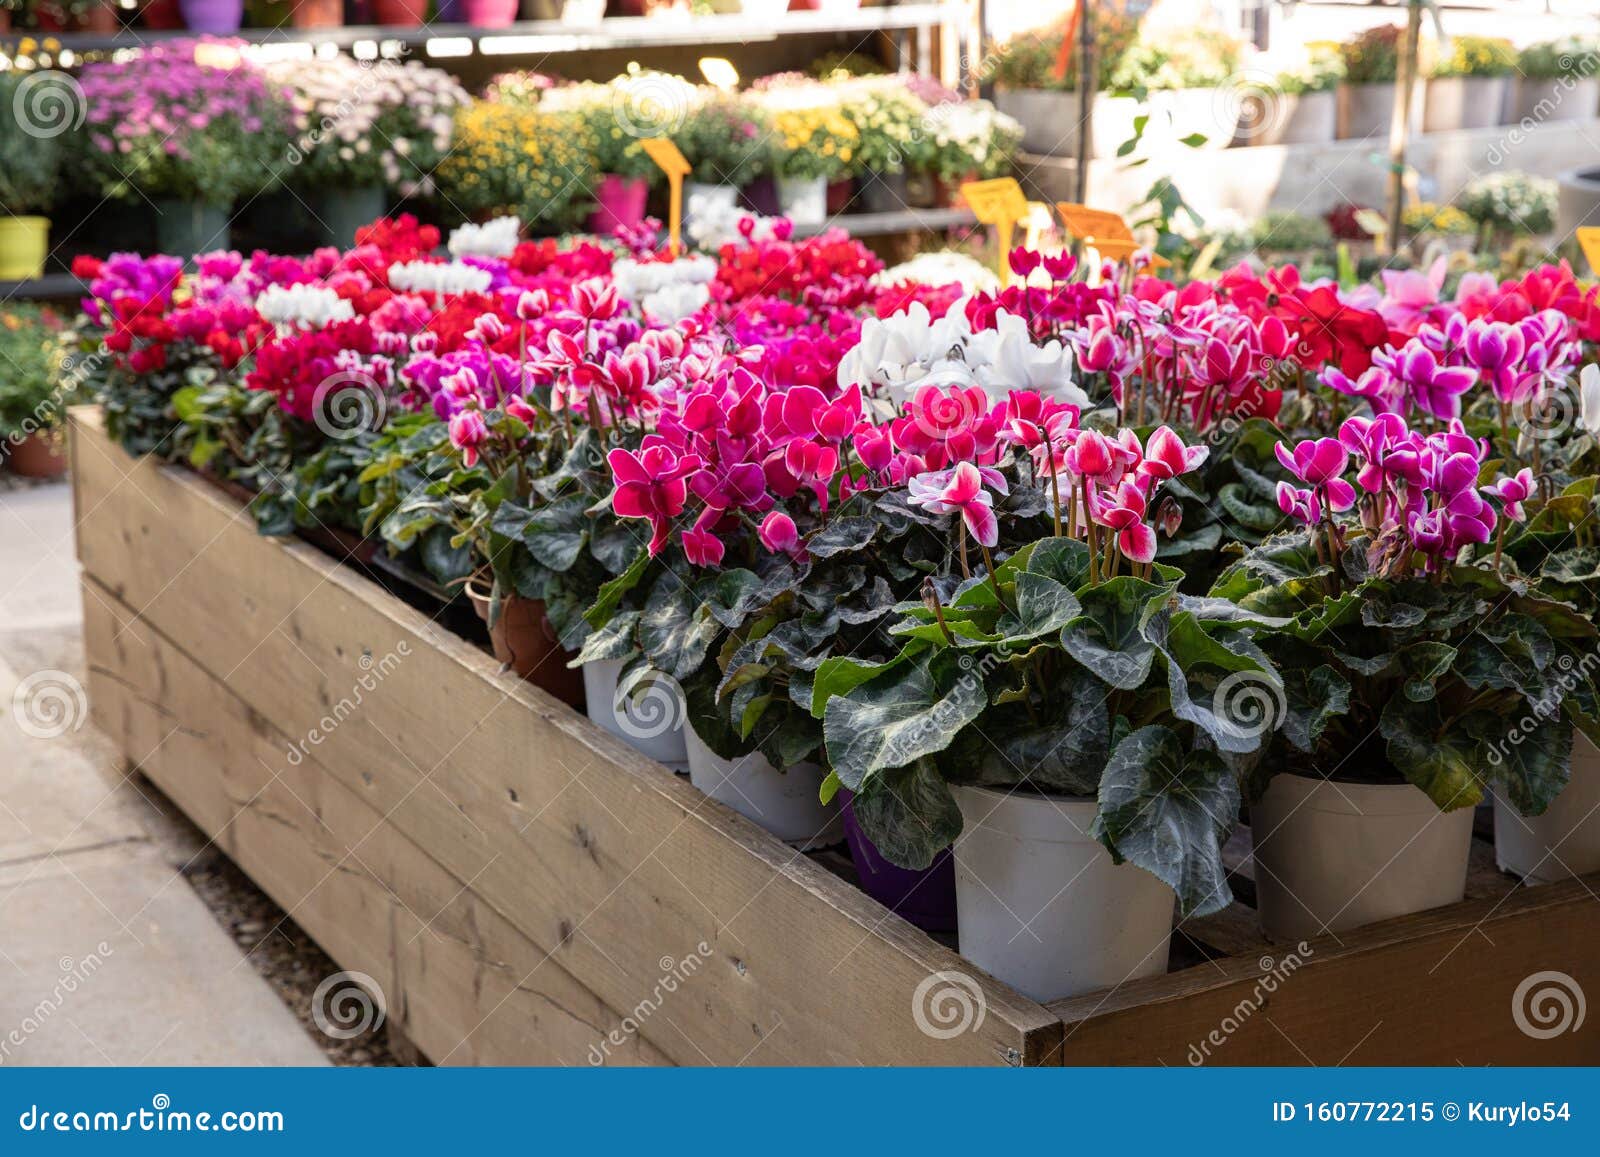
{"points": [[761, 195], [449, 12], [619, 204], [212, 17], [926, 898]]}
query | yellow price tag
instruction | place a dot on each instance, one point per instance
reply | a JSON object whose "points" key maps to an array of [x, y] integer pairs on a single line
{"points": [[1107, 232], [671, 161], [1001, 203], [1589, 241]]}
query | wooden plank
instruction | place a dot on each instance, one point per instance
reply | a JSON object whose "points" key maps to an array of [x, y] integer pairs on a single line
{"points": [[595, 853], [1435, 988], [457, 978]]}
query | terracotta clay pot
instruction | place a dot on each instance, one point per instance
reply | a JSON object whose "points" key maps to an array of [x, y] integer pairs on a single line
{"points": [[318, 13], [38, 456], [524, 640]]}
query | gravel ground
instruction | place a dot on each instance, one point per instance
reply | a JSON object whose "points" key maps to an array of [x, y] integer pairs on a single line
{"points": [[279, 949]]}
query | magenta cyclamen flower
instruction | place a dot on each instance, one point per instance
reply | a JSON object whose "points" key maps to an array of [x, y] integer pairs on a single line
{"points": [[1513, 492], [778, 533], [1300, 505], [650, 485], [1319, 462], [1497, 350], [1386, 450], [1432, 388], [959, 490]]}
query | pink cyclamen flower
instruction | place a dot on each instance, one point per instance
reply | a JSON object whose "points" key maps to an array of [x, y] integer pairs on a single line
{"points": [[1124, 514], [1165, 456], [1513, 492], [524, 413], [1300, 505], [650, 485], [959, 489], [778, 533], [702, 548], [467, 432], [1319, 462]]}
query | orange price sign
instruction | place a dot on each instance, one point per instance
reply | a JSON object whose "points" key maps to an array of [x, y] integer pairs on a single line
{"points": [[1589, 241], [1001, 203], [1106, 232], [671, 161]]}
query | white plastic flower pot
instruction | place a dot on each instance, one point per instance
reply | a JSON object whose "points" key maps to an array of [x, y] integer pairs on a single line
{"points": [[720, 196], [1334, 856], [1463, 102], [785, 803], [804, 200], [1041, 905], [651, 722], [1563, 842]]}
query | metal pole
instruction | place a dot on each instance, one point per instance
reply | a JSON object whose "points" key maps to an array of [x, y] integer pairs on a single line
{"points": [[1400, 123], [1086, 90]]}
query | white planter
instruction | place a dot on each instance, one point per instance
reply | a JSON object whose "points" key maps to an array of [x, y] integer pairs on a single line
{"points": [[1335, 856], [1543, 100], [785, 803], [1275, 118], [1211, 112], [1463, 102], [1577, 201], [1365, 110], [1041, 905], [1049, 119], [804, 200], [652, 722], [1563, 842]]}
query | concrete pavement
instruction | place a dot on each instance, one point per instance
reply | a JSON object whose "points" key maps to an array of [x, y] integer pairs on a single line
{"points": [[107, 956]]}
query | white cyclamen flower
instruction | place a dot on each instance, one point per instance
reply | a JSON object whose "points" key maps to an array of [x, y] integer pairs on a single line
{"points": [[313, 306], [438, 277], [1589, 399], [495, 238]]}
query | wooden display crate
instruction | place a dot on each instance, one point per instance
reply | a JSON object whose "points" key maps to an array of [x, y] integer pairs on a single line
{"points": [[528, 890]]}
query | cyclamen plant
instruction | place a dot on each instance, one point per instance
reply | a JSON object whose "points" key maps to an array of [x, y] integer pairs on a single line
{"points": [[1406, 646]]}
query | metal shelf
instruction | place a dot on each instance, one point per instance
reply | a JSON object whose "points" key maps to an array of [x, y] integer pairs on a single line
{"points": [[64, 286], [899, 221], [541, 37]]}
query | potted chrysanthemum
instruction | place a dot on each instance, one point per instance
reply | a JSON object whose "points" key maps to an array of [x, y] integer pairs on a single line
{"points": [[189, 125]]}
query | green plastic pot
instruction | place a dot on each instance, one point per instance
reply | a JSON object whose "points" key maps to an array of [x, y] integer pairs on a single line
{"points": [[340, 212], [185, 228]]}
